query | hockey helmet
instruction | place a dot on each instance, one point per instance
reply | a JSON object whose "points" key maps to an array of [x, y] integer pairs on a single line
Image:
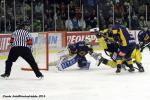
{"points": [[72, 47]]}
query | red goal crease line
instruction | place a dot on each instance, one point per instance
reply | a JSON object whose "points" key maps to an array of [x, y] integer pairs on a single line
{"points": [[29, 69]]}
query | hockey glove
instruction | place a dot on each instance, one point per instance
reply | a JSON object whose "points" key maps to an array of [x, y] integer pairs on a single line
{"points": [[98, 34]]}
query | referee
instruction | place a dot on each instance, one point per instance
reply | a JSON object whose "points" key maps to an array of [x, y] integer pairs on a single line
{"points": [[21, 42]]}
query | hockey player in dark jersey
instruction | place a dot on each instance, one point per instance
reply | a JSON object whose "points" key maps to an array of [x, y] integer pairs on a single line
{"points": [[144, 38], [78, 51], [126, 46]]}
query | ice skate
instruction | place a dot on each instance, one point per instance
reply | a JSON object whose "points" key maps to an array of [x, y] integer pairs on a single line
{"points": [[118, 69], [5, 75]]}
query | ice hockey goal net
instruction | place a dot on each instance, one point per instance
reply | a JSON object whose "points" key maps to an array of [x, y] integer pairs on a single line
{"points": [[45, 48]]}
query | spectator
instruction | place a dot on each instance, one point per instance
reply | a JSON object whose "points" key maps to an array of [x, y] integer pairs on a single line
{"points": [[49, 24], [102, 23], [68, 24], [93, 22], [82, 24], [119, 10], [134, 22], [37, 25], [110, 21], [1, 19], [59, 23], [142, 21], [93, 19], [75, 24], [87, 18], [39, 7], [142, 10]]}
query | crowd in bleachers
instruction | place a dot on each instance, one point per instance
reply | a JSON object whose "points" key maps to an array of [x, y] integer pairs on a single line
{"points": [[44, 14]]}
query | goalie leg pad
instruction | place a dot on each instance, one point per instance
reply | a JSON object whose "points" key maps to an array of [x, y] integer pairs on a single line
{"points": [[83, 63], [65, 63], [87, 66]]}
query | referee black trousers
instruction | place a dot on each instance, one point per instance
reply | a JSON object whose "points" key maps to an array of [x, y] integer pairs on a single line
{"points": [[26, 54]]}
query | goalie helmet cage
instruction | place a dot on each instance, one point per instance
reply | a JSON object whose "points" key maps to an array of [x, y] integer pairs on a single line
{"points": [[47, 53]]}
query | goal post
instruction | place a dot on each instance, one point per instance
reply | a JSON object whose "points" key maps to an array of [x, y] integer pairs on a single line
{"points": [[40, 41], [45, 48]]}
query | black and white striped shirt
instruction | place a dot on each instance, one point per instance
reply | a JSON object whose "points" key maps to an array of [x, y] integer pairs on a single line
{"points": [[20, 38]]}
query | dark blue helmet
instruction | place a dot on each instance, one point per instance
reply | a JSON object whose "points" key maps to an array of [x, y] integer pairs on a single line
{"points": [[118, 21], [72, 47]]}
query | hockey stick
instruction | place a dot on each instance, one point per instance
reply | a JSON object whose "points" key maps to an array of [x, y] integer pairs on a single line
{"points": [[145, 45], [136, 68]]}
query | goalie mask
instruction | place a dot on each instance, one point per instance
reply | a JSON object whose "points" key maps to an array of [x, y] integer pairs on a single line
{"points": [[72, 48]]}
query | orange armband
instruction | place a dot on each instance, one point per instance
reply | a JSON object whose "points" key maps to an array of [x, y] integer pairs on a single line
{"points": [[11, 40], [29, 42]]}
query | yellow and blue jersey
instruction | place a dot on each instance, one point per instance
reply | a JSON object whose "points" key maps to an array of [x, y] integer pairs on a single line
{"points": [[125, 40], [105, 37], [144, 37], [122, 36]]}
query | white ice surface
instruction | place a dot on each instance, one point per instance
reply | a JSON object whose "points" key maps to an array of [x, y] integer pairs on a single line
{"points": [[98, 83]]}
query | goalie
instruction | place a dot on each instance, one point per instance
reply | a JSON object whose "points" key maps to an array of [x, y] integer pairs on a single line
{"points": [[77, 53]]}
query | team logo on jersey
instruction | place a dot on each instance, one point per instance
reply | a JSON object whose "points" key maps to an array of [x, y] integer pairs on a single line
{"points": [[82, 53]]}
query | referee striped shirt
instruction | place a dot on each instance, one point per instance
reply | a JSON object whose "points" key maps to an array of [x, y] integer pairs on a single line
{"points": [[20, 38]]}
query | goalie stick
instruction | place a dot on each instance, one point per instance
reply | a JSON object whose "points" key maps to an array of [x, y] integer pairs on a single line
{"points": [[145, 45]]}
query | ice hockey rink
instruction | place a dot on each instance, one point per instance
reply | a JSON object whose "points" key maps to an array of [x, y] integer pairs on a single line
{"points": [[98, 83]]}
